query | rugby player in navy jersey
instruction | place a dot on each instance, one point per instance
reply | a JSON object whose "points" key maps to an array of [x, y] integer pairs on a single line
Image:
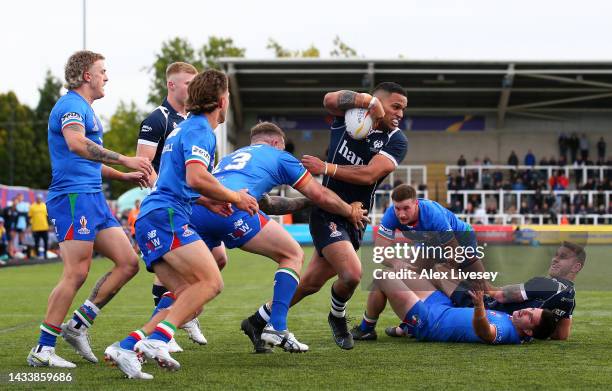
{"points": [[354, 170], [171, 248], [153, 133], [79, 212]]}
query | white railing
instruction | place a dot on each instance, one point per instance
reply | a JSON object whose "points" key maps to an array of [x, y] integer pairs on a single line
{"points": [[549, 170], [521, 193], [538, 219]]}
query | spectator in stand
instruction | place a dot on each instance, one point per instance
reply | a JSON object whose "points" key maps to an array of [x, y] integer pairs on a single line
{"points": [[561, 162], [524, 210], [563, 145], [543, 162], [518, 184], [584, 147], [530, 159], [461, 162], [558, 182], [22, 220], [457, 207], [513, 159], [601, 151], [40, 225], [4, 243], [573, 144], [486, 161]]}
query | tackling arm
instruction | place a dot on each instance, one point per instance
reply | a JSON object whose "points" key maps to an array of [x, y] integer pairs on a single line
{"points": [[330, 202], [275, 205]]}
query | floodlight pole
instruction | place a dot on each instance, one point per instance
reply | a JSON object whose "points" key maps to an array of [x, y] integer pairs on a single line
{"points": [[84, 24]]}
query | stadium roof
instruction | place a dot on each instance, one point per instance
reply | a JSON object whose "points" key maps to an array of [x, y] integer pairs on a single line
{"points": [[547, 90]]}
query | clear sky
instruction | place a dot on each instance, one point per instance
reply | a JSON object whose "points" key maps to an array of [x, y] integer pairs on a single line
{"points": [[39, 35]]}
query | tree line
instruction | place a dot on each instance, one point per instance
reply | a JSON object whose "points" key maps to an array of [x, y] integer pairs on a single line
{"points": [[24, 156]]}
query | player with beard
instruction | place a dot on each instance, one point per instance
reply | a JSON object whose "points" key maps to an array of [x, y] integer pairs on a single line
{"points": [[353, 170]]}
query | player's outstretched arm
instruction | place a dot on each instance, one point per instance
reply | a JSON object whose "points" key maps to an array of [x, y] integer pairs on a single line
{"points": [[275, 205], [202, 181], [509, 294], [138, 178], [483, 329], [84, 147], [338, 102], [330, 202], [378, 167]]}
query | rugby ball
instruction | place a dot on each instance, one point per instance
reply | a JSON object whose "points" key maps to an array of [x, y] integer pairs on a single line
{"points": [[358, 123]]}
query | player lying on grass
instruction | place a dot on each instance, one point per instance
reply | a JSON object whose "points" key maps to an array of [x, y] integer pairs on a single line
{"points": [[354, 170], [555, 292], [171, 248], [420, 221], [82, 219], [429, 315]]}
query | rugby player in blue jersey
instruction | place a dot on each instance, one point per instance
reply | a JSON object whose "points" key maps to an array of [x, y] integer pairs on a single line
{"points": [[153, 132], [171, 248], [354, 170], [428, 314], [79, 212], [260, 167], [422, 221]]}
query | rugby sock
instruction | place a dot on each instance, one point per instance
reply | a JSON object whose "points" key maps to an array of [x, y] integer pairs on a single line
{"points": [[166, 301], [131, 340], [84, 315], [164, 331], [261, 317], [48, 335], [338, 304], [368, 324], [286, 281], [158, 291]]}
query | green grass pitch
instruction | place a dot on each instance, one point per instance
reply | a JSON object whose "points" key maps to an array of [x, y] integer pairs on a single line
{"points": [[585, 361]]}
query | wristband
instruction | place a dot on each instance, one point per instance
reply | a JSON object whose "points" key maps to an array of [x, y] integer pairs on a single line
{"points": [[372, 102], [335, 169]]}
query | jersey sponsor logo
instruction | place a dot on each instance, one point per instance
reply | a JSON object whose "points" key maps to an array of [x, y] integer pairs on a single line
{"points": [[174, 125], [146, 128], [385, 230], [71, 116], [54, 226], [152, 234], [95, 127], [334, 230], [154, 243], [416, 321], [83, 230], [377, 145], [197, 151], [167, 148], [240, 229], [348, 154], [186, 231], [558, 312]]}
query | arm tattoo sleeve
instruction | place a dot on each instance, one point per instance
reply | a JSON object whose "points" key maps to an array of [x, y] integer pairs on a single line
{"points": [[512, 293], [273, 205], [100, 154], [346, 100]]}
